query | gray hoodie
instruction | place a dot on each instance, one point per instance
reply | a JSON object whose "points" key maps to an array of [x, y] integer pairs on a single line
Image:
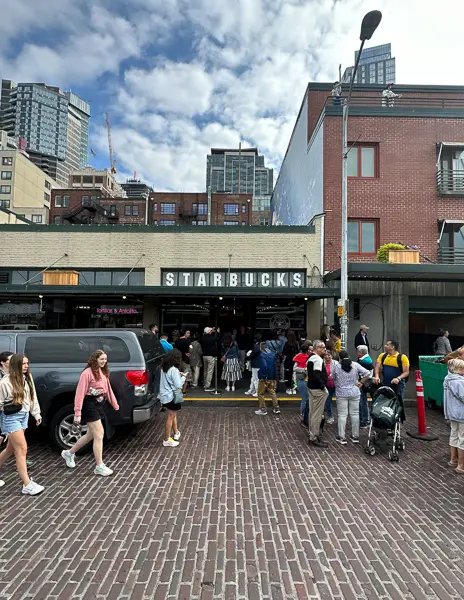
{"points": [[453, 399], [442, 346]]}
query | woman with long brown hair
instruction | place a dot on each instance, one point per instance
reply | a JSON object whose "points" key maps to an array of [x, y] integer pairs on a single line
{"points": [[92, 392], [18, 399]]}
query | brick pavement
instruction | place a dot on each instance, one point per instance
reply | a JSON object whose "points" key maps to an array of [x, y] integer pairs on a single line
{"points": [[243, 509]]}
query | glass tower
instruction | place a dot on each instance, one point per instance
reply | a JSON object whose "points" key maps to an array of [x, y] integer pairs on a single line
{"points": [[54, 124], [376, 65]]}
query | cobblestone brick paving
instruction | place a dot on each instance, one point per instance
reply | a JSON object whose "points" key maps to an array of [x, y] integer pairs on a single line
{"points": [[242, 509]]}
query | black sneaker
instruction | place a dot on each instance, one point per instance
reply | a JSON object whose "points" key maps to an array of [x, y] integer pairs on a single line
{"points": [[276, 411], [318, 443], [341, 440], [354, 439]]}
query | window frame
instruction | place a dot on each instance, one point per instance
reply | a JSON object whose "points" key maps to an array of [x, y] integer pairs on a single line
{"points": [[360, 223], [358, 147], [7, 161], [35, 217], [236, 208], [4, 175], [167, 222], [5, 189], [170, 204]]}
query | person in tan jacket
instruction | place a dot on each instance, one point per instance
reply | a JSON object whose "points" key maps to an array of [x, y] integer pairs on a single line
{"points": [[18, 400]]}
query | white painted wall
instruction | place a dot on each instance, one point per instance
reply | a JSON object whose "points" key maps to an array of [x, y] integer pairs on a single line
{"points": [[298, 194]]}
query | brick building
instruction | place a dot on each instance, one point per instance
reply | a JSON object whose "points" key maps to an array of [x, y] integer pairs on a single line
{"points": [[406, 183], [87, 206], [191, 277], [174, 208]]}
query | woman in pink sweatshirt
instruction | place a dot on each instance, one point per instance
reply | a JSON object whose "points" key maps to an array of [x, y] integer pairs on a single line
{"points": [[93, 390]]}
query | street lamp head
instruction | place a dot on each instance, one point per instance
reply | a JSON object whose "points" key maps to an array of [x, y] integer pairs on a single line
{"points": [[369, 24]]}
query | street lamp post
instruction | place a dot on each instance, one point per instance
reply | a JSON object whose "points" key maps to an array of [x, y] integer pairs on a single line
{"points": [[369, 24]]}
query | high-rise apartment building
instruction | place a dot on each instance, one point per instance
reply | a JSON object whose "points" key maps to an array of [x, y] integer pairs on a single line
{"points": [[376, 65], [55, 125], [135, 188]]}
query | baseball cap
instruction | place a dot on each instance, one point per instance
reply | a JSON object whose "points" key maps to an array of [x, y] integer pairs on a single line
{"points": [[364, 327], [207, 330]]}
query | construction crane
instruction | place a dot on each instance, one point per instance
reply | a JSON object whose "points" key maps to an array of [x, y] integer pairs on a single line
{"points": [[110, 145]]}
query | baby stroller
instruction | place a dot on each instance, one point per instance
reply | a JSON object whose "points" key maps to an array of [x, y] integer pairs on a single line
{"points": [[387, 415]]}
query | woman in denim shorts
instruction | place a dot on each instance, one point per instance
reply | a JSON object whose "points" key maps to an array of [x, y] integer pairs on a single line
{"points": [[18, 399]]}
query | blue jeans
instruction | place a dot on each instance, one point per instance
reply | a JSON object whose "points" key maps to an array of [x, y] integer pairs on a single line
{"points": [[328, 402], [364, 416], [304, 407]]}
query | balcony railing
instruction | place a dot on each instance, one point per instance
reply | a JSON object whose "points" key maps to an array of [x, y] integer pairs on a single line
{"points": [[406, 101], [451, 256], [450, 182]]}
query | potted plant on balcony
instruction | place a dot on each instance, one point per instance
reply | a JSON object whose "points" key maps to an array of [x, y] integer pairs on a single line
{"points": [[398, 253]]}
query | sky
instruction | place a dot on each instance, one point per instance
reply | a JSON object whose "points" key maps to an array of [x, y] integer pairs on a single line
{"points": [[178, 77]]}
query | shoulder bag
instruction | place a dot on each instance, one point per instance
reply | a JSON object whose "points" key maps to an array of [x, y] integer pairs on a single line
{"points": [[224, 358]]}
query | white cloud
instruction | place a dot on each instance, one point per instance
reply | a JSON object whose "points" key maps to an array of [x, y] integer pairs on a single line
{"points": [[235, 70], [172, 87]]}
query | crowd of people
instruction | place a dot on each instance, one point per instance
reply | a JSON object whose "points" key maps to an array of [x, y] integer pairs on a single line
{"points": [[319, 371]]}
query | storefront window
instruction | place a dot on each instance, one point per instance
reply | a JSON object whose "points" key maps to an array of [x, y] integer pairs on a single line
{"points": [[103, 278]]}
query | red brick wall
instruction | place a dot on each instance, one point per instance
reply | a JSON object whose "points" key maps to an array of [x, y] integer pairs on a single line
{"points": [[184, 207], [75, 200], [404, 198]]}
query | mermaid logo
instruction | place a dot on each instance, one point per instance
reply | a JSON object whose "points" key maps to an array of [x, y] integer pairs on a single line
{"points": [[279, 322]]}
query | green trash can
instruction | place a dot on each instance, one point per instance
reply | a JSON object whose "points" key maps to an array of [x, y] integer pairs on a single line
{"points": [[433, 376]]}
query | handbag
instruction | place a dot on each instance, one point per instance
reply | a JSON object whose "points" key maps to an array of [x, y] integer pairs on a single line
{"points": [[12, 409], [178, 396], [224, 358]]}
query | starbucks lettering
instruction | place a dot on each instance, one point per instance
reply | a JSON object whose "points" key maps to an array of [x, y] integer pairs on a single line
{"points": [[233, 279]]}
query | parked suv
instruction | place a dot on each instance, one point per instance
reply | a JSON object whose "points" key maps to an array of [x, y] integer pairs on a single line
{"points": [[58, 357]]}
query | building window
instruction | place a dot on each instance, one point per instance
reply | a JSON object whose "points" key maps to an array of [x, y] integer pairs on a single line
{"points": [[5, 189], [36, 218], [200, 209], [244, 209], [199, 223], [46, 197], [362, 237], [87, 179], [5, 203], [85, 199], [7, 161], [76, 178], [98, 179], [7, 175], [155, 207], [168, 208], [362, 161], [128, 210], [231, 209], [113, 210], [135, 210], [243, 222], [264, 221], [167, 221], [58, 201], [57, 220], [131, 210], [47, 185], [231, 223]]}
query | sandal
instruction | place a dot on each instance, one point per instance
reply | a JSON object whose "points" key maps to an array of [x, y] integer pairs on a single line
{"points": [[452, 464], [460, 471]]}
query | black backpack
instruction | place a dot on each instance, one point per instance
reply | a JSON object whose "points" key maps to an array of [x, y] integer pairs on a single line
{"points": [[399, 359]]}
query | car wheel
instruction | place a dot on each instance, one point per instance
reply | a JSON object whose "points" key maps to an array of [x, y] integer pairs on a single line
{"points": [[61, 430]]}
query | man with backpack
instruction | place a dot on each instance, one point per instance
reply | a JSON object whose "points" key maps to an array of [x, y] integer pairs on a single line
{"points": [[267, 376], [394, 368]]}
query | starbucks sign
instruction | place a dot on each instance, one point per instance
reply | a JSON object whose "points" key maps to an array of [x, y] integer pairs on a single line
{"points": [[233, 279]]}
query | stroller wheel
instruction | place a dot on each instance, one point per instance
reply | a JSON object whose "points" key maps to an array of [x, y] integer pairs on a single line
{"points": [[370, 450], [393, 456], [401, 445]]}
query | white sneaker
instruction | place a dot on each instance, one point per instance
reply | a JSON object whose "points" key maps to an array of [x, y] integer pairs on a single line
{"points": [[33, 489], [227, 389], [69, 458], [177, 436], [248, 393], [233, 388], [170, 443], [255, 395], [2, 483], [289, 391], [103, 470]]}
